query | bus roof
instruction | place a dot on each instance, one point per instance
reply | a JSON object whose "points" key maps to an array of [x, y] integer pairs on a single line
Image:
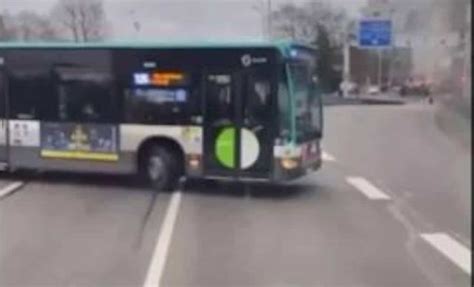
{"points": [[283, 46]]}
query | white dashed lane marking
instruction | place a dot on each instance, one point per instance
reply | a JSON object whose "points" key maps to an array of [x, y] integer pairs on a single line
{"points": [[452, 249], [158, 261], [367, 188], [7, 190], [328, 157]]}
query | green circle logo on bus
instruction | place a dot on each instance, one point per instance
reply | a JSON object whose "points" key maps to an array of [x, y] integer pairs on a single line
{"points": [[225, 148]]}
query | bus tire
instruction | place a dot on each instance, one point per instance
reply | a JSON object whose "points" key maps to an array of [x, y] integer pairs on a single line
{"points": [[161, 168]]}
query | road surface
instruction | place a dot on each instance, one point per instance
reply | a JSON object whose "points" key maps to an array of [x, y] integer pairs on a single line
{"points": [[391, 206]]}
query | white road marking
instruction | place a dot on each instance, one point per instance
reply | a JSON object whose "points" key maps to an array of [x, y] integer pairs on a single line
{"points": [[10, 188], [328, 157], [158, 260], [367, 188], [452, 249]]}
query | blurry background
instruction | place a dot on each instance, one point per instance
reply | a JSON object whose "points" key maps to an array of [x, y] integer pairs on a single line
{"points": [[70, 230], [431, 38]]}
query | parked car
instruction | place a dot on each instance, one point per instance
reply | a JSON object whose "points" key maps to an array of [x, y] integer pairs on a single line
{"points": [[352, 88], [415, 88], [396, 89], [373, 90], [385, 87]]}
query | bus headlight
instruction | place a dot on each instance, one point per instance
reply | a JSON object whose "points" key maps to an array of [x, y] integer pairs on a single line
{"points": [[289, 163], [194, 161]]}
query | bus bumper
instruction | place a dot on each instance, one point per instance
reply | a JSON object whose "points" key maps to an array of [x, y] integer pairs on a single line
{"points": [[281, 173]]}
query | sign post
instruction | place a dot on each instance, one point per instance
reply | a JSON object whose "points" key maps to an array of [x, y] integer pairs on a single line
{"points": [[346, 75], [376, 34]]}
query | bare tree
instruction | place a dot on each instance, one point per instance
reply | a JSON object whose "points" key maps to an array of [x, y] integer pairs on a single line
{"points": [[33, 27], [320, 24], [83, 19], [289, 21], [7, 28], [302, 22], [3, 28]]}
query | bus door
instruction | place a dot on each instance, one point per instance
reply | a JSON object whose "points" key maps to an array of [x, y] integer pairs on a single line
{"points": [[221, 122], [237, 137], [258, 121], [3, 116]]}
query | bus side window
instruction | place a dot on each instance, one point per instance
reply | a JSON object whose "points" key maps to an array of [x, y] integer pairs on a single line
{"points": [[162, 102], [84, 95], [219, 97], [27, 89], [283, 104], [258, 103], [2, 94]]}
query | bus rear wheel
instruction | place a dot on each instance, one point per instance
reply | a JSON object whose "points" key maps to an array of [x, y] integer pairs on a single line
{"points": [[160, 168]]}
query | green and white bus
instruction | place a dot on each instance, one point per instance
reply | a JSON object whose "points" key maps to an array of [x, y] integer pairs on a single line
{"points": [[246, 111]]}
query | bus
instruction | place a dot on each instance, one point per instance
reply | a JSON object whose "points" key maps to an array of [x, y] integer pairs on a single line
{"points": [[238, 111]]}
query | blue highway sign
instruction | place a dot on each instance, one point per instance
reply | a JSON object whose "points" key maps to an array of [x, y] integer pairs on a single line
{"points": [[375, 33]]}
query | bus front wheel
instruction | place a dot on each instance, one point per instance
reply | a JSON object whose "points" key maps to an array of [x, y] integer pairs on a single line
{"points": [[160, 168]]}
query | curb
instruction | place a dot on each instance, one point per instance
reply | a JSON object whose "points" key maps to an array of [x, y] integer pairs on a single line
{"points": [[457, 104], [382, 102], [361, 101], [454, 124]]}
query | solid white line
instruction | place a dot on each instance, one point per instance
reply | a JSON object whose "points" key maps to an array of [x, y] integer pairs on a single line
{"points": [[158, 261], [367, 188], [452, 249], [10, 188], [328, 157]]}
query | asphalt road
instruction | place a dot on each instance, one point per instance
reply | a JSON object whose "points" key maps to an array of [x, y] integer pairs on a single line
{"points": [[391, 206]]}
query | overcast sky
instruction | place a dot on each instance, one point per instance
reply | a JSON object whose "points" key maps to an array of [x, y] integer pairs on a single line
{"points": [[180, 19]]}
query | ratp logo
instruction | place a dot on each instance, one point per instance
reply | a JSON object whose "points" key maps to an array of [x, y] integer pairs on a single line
{"points": [[246, 60]]}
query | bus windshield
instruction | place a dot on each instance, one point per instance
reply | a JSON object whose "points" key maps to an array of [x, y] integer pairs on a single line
{"points": [[307, 102]]}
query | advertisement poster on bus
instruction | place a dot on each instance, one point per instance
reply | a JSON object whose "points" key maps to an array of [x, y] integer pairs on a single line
{"points": [[79, 141]]}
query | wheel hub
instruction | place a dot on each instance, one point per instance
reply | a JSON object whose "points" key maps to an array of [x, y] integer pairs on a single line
{"points": [[156, 168]]}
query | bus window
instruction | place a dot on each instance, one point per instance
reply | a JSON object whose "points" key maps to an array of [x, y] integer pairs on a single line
{"points": [[258, 108], [308, 114], [84, 95], [284, 105], [259, 122], [3, 96], [219, 91], [166, 96], [24, 88]]}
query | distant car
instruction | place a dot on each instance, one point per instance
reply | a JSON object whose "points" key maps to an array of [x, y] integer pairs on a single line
{"points": [[385, 87], [373, 90], [424, 89], [419, 88], [396, 89], [352, 88]]}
